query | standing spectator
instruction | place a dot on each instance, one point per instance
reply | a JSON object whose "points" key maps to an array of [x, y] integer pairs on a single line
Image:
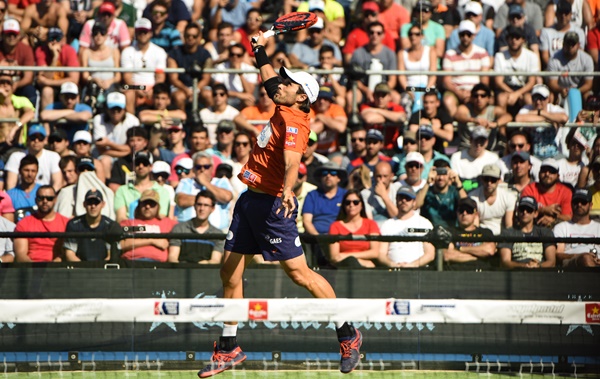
{"points": [[220, 110], [54, 53], [393, 16], [516, 19], [434, 114], [484, 37], [13, 52], [553, 198], [468, 163], [433, 32], [23, 195], [240, 87], [13, 106], [142, 54], [41, 249], [353, 220], [306, 54], [578, 254], [147, 216], [164, 34], [466, 57], [552, 38], [198, 250], [384, 115], [179, 16], [527, 254], [407, 223], [462, 255], [358, 36], [90, 249], [100, 54], [495, 204], [70, 109], [328, 120], [379, 201], [48, 173], [115, 30]]}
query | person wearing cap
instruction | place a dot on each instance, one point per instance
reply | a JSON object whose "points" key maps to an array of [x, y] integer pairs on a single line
{"points": [[495, 203], [516, 19], [115, 30], [23, 195], [434, 33], [358, 36], [515, 90], [161, 171], [435, 114], [425, 138], [468, 163], [413, 166], [554, 198], [184, 168], [49, 173], [527, 254], [198, 250], [82, 146], [373, 155], [93, 221], [469, 255], [569, 167], [161, 111], [44, 218], [544, 137], [68, 108], [175, 144], [13, 106], [532, 11], [380, 199], [240, 86], [552, 36], [571, 58], [142, 54], [54, 52], [124, 11], [147, 217], [306, 54], [393, 15], [518, 141], [127, 196], [484, 37], [59, 143], [15, 52], [332, 13], [225, 136], [466, 56], [521, 168], [123, 170], [384, 114], [219, 110], [407, 223], [328, 120], [575, 254]]}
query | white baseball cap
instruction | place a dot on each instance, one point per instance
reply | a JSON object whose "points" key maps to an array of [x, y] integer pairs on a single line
{"points": [[69, 87], [186, 163], [161, 166], [143, 23], [11, 25], [305, 80], [82, 135], [415, 156], [467, 26], [115, 99], [320, 24], [540, 89], [473, 7]]}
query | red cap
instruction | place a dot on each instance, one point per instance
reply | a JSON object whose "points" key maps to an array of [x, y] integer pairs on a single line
{"points": [[107, 7], [370, 6], [302, 169]]}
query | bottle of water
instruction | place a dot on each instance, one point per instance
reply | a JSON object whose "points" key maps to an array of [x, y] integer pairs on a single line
{"points": [[375, 79], [101, 98]]}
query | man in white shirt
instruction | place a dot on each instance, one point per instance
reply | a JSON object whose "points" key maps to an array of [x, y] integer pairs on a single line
{"points": [[220, 110], [407, 223], [240, 86], [468, 163]]}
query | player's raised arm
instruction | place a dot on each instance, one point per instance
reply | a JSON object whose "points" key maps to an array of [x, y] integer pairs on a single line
{"points": [[264, 65]]}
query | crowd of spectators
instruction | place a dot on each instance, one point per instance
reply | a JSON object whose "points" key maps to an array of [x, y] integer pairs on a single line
{"points": [[96, 151]]}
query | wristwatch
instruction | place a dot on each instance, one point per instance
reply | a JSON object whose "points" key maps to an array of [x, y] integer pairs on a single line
{"points": [[539, 112], [19, 124]]}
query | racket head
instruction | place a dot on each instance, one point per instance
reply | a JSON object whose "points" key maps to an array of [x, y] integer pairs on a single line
{"points": [[294, 21]]}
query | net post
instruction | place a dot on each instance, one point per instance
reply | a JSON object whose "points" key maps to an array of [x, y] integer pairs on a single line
{"points": [[439, 259]]}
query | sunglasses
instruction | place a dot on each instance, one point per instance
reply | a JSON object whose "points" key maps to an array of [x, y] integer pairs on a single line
{"points": [[426, 138], [47, 198], [329, 172], [467, 210], [548, 170], [174, 130], [525, 210], [538, 98], [101, 32], [159, 13], [143, 163], [69, 96], [106, 14], [226, 131], [55, 140], [81, 142], [490, 179], [149, 203], [375, 33], [370, 14], [222, 94], [181, 170], [11, 34], [244, 144], [481, 95], [163, 175], [353, 202], [414, 34], [413, 165], [373, 141], [358, 139], [115, 109], [410, 141], [6, 82], [142, 31], [202, 166], [92, 202], [515, 145], [238, 55], [191, 36], [580, 202], [465, 34], [517, 16], [404, 198], [36, 137]]}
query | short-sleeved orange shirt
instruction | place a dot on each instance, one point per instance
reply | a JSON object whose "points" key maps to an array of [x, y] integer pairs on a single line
{"points": [[328, 139], [253, 113], [288, 129]]}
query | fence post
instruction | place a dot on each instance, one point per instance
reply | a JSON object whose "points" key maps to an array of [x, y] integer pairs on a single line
{"points": [[439, 259]]}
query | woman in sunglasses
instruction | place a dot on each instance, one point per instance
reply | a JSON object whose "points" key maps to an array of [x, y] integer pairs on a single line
{"points": [[352, 220], [100, 54]]}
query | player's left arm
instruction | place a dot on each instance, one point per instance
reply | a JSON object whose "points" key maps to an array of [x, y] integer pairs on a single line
{"points": [[292, 163]]}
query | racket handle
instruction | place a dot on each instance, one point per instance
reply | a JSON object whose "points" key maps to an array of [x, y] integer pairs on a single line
{"points": [[268, 34]]}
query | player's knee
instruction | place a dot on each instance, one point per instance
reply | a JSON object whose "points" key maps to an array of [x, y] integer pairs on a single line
{"points": [[227, 277]]}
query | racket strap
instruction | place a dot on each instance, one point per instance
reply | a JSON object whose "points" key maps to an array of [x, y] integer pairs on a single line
{"points": [[261, 56]]}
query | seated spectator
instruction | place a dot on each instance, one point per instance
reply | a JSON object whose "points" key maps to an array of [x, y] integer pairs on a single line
{"points": [[358, 36], [93, 221], [328, 120], [517, 19], [224, 147], [446, 15], [7, 251], [413, 166], [520, 171], [184, 169], [115, 32], [7, 210], [179, 16], [313, 160], [384, 115], [519, 142], [54, 53], [575, 254], [337, 82], [198, 250], [480, 112], [123, 168], [466, 57], [161, 171], [393, 16], [434, 114], [358, 143], [218, 47], [127, 196], [187, 189], [484, 37], [146, 215], [173, 146], [426, 140], [164, 34], [379, 201], [434, 33], [48, 172], [570, 167], [68, 108], [220, 110], [515, 90], [587, 176], [462, 255], [13, 106], [552, 37], [409, 145], [262, 111], [495, 203], [532, 11], [333, 15], [527, 254], [184, 56], [306, 54], [553, 197], [82, 146], [100, 54], [438, 199], [14, 52], [583, 14], [142, 54], [39, 20], [407, 223], [240, 86], [301, 189], [468, 163], [544, 144], [162, 111], [22, 195], [374, 154], [68, 169], [353, 219], [41, 249], [254, 24], [360, 178]]}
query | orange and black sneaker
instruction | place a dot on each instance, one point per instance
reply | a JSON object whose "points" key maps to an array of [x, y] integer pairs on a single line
{"points": [[222, 360], [350, 350]]}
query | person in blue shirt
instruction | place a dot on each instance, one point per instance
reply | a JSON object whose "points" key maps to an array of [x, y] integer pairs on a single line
{"points": [[164, 33], [484, 38], [179, 15], [23, 195]]}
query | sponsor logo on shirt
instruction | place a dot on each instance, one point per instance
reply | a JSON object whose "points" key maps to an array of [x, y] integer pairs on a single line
{"points": [[290, 139], [249, 176], [292, 130], [258, 310]]}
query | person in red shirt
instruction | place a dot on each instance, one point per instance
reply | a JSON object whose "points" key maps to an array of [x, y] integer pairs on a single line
{"points": [[13, 52], [393, 15], [264, 218], [553, 197], [45, 219], [358, 36]]}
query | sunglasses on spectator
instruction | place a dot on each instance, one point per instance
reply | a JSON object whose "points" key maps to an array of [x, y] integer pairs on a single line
{"points": [[164, 175], [106, 14], [538, 98], [6, 82], [191, 36], [237, 55], [370, 14], [489, 179], [373, 141], [202, 166], [324, 173], [36, 137], [580, 202], [515, 145], [482, 95], [467, 34], [143, 163], [181, 170], [47, 198], [404, 198], [375, 33], [142, 31], [221, 94], [11, 34], [414, 34], [549, 170], [357, 139], [55, 140], [517, 16], [353, 202], [413, 165], [159, 13], [101, 32], [466, 209], [92, 202], [525, 210], [410, 141], [244, 144], [426, 138], [149, 203]]}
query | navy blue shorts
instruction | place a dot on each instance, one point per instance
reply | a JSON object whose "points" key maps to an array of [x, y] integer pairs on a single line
{"points": [[257, 229]]}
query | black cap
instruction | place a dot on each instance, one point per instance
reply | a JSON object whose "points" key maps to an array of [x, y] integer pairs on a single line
{"points": [[424, 5], [143, 156], [582, 194], [93, 194], [85, 162], [57, 134], [528, 202], [467, 203], [571, 38], [224, 170], [564, 7], [515, 31], [99, 27], [227, 125]]}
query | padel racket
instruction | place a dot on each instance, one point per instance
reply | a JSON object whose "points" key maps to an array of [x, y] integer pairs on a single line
{"points": [[290, 22]]}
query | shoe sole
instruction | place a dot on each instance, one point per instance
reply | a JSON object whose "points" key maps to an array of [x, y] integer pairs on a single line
{"points": [[357, 362], [218, 371]]}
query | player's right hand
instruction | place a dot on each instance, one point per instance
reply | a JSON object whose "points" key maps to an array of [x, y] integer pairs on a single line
{"points": [[287, 204], [259, 38]]}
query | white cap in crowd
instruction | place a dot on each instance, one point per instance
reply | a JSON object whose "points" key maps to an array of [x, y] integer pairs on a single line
{"points": [[161, 166], [186, 163], [467, 26], [473, 7], [69, 87], [11, 25], [115, 99], [82, 135]]}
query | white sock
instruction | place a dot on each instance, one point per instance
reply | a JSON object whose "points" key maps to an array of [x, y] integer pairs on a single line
{"points": [[339, 324], [229, 330]]}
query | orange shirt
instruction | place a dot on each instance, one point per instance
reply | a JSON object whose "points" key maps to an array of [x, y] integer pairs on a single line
{"points": [[253, 113], [328, 139], [288, 129], [393, 18]]}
